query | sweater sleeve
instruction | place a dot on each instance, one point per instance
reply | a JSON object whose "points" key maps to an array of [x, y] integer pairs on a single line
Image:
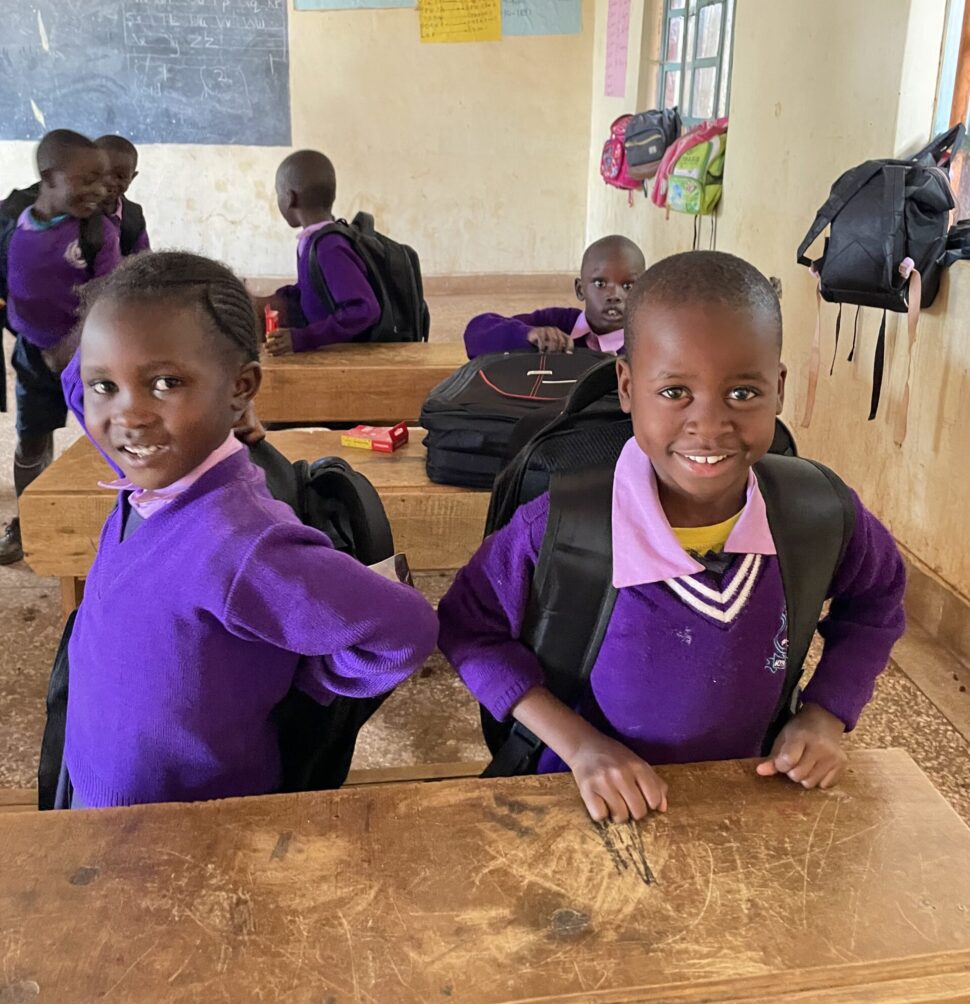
{"points": [[495, 333], [74, 396], [109, 257], [481, 615], [864, 621], [295, 592], [355, 307], [141, 242]]}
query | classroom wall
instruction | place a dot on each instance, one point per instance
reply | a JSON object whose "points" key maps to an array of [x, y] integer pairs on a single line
{"points": [[817, 88], [474, 153]]}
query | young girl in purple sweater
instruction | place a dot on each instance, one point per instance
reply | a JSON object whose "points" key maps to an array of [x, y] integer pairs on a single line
{"points": [[689, 667], [208, 599]]}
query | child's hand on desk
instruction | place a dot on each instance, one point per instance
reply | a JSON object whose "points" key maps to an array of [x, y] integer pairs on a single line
{"points": [[808, 749], [550, 340], [615, 783], [279, 343]]}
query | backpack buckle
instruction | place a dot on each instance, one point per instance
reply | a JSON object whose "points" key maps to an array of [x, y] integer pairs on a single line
{"points": [[527, 736]]}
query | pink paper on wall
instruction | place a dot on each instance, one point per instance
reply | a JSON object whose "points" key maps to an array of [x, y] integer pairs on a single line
{"points": [[617, 43]]}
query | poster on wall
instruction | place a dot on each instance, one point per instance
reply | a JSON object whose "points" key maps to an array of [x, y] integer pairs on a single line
{"points": [[351, 4], [542, 17], [460, 20], [617, 42]]}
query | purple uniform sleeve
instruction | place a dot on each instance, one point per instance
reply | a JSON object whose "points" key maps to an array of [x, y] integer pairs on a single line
{"points": [[495, 333], [74, 396], [864, 621], [355, 307], [481, 615], [141, 242], [294, 591], [109, 257]]}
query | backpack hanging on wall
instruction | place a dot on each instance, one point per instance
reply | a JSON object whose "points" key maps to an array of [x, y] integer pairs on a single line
{"points": [[888, 226], [659, 192], [613, 163], [394, 273], [316, 741], [810, 511], [695, 181], [646, 138]]}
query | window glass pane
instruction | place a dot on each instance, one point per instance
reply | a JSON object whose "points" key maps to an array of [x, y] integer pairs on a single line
{"points": [[677, 4], [709, 30], [705, 79], [671, 88], [675, 40], [722, 98], [689, 49]]}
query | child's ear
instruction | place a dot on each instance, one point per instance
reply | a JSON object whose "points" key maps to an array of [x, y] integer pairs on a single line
{"points": [[248, 381], [578, 286], [624, 381], [292, 199], [134, 174], [782, 376]]}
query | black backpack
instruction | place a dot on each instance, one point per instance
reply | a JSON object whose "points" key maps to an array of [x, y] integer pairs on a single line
{"points": [[394, 272], [879, 214], [648, 134], [810, 511], [470, 417], [132, 225], [316, 741]]}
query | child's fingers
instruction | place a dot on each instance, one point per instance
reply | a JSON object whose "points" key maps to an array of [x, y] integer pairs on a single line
{"points": [[766, 768], [820, 769], [805, 766], [597, 808], [634, 797], [789, 755], [653, 788], [832, 777]]}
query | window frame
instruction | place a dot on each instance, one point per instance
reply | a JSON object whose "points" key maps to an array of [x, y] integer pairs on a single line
{"points": [[689, 61]]}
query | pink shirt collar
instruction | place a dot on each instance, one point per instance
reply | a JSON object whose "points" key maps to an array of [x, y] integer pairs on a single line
{"points": [[147, 501], [612, 342], [307, 232], [645, 549]]}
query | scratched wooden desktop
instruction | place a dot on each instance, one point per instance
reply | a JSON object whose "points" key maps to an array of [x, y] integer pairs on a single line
{"points": [[497, 892], [437, 526]]}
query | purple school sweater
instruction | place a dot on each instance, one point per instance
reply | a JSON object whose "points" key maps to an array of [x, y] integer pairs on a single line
{"points": [[74, 396], [311, 322], [45, 268], [495, 333], [192, 629], [673, 683]]}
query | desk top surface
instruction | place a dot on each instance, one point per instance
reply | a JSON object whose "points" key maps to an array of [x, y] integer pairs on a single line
{"points": [[499, 891]]}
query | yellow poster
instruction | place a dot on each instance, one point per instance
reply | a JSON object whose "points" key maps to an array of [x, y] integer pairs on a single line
{"points": [[460, 20]]}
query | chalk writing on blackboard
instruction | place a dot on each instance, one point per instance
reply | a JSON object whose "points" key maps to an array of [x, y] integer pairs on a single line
{"points": [[460, 20], [165, 71]]}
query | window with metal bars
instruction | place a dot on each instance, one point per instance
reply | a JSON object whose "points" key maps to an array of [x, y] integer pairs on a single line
{"points": [[695, 58]]}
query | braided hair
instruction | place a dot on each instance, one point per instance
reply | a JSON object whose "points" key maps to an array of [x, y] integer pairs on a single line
{"points": [[184, 279]]}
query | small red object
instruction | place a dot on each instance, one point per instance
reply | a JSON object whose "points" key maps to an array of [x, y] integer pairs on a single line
{"points": [[272, 319], [382, 439]]}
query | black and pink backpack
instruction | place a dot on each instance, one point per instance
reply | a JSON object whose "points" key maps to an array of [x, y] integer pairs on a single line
{"points": [[613, 166]]}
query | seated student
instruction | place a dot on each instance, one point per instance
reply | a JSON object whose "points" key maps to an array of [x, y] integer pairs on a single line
{"points": [[117, 207], [683, 674], [306, 187], [51, 254], [608, 271], [168, 360]]}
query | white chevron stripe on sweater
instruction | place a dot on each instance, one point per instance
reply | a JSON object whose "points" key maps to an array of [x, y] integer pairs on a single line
{"points": [[716, 613]]}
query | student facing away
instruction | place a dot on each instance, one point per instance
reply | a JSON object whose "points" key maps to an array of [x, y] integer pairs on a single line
{"points": [[609, 268], [208, 599], [688, 667], [306, 186]]}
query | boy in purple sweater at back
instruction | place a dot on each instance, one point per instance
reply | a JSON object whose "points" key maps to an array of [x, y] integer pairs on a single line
{"points": [[306, 186], [608, 271], [46, 266], [208, 599], [118, 209], [688, 669]]}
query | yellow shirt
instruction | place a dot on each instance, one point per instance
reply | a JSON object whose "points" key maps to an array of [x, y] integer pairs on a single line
{"points": [[701, 539]]}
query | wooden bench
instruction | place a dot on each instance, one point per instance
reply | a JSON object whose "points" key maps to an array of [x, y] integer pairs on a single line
{"points": [[747, 890], [381, 384], [437, 526]]}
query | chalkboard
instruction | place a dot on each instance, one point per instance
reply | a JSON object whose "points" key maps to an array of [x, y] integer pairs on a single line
{"points": [[156, 71]]}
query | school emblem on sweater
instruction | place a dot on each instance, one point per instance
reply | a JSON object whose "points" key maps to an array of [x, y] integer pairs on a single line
{"points": [[778, 660], [722, 605], [73, 255]]}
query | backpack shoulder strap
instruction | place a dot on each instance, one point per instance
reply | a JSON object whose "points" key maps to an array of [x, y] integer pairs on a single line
{"points": [[92, 240], [52, 744], [844, 189], [132, 224], [571, 601], [812, 518]]}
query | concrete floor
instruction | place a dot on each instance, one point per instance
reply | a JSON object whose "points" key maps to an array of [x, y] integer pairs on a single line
{"points": [[431, 719]]}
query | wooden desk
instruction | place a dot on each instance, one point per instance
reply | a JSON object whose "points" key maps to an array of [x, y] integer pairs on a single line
{"points": [[499, 891], [355, 383], [437, 526]]}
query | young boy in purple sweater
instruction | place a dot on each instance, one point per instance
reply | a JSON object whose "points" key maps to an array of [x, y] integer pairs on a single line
{"points": [[608, 271], [118, 209], [688, 669], [208, 599], [46, 266], [306, 186]]}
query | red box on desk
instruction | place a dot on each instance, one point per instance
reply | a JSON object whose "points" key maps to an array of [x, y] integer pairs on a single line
{"points": [[381, 438]]}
